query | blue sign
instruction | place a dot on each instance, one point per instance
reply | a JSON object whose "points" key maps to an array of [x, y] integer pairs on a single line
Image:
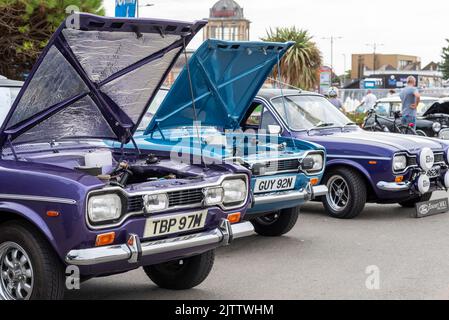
{"points": [[126, 8]]}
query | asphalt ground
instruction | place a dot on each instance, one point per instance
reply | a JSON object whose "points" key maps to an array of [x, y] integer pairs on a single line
{"points": [[382, 254]]}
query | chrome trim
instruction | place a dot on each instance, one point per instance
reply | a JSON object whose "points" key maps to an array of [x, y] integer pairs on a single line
{"points": [[318, 191], [324, 162], [408, 155], [282, 196], [299, 158], [360, 157], [122, 252], [36, 198], [136, 213], [393, 186]]}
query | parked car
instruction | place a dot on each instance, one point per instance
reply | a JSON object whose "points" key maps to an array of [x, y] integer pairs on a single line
{"points": [[66, 200], [387, 108], [362, 166], [9, 89], [224, 78]]}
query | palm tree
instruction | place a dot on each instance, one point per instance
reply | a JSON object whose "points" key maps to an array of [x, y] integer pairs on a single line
{"points": [[301, 63]]}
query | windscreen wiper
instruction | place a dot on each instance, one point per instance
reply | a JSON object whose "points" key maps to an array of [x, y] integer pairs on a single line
{"points": [[321, 126]]}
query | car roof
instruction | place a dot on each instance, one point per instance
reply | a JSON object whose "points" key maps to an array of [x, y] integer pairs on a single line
{"points": [[10, 83], [276, 92], [397, 98]]}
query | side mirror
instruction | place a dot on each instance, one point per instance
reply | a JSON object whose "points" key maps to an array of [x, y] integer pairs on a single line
{"points": [[274, 129]]}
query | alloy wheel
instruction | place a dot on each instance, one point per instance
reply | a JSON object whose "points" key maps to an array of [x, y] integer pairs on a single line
{"points": [[16, 272], [338, 195]]}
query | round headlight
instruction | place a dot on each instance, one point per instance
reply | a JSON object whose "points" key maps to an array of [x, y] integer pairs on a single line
{"points": [[426, 159], [436, 126], [399, 162], [234, 191], [318, 162], [104, 207]]}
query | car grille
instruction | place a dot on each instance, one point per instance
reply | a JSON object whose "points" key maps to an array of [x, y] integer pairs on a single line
{"points": [[181, 198], [412, 161], [283, 165], [439, 157]]}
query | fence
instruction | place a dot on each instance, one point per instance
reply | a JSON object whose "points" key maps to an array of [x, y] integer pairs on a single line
{"points": [[352, 98]]}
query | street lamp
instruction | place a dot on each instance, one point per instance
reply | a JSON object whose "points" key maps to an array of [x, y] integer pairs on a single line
{"points": [[374, 46], [332, 39]]}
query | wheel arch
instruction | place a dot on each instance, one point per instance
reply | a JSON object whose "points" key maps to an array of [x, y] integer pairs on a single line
{"points": [[333, 164], [9, 212]]}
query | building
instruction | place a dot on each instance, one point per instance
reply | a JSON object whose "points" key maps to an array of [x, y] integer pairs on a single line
{"points": [[227, 22], [369, 61], [390, 71]]}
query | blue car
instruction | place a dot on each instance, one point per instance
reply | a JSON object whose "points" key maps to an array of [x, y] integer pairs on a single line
{"points": [[362, 166], [215, 90]]}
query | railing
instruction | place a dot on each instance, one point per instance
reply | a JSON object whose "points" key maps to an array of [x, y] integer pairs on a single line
{"points": [[352, 98]]}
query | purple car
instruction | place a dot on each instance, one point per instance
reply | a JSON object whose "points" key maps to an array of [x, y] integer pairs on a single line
{"points": [[362, 166], [69, 204]]}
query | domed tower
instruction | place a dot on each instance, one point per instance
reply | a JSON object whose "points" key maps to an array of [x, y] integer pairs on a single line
{"points": [[227, 22]]}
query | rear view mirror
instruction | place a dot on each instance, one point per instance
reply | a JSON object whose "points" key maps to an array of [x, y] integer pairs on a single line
{"points": [[274, 129]]}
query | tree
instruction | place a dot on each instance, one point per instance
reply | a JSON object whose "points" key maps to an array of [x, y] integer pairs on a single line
{"points": [[27, 25], [444, 65], [300, 65]]}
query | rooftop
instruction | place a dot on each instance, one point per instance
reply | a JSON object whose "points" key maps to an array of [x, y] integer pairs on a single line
{"points": [[226, 9]]}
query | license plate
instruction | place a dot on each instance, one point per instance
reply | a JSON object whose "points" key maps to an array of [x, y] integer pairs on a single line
{"points": [[274, 184], [433, 173], [156, 227]]}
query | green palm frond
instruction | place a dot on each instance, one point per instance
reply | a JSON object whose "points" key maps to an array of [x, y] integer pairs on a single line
{"points": [[301, 64]]}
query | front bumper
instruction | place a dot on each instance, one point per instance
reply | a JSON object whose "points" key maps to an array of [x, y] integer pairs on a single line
{"points": [[307, 194], [134, 250], [394, 186]]}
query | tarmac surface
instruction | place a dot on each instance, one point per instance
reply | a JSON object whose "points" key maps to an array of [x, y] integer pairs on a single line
{"points": [[382, 254]]}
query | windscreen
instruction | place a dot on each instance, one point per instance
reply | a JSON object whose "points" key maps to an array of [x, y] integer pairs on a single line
{"points": [[308, 112]]}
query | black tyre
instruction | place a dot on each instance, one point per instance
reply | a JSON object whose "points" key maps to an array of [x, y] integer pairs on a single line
{"points": [[29, 267], [421, 133], [411, 203], [182, 274], [276, 224], [347, 193]]}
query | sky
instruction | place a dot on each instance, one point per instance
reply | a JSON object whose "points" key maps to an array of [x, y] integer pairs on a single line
{"points": [[414, 27]]}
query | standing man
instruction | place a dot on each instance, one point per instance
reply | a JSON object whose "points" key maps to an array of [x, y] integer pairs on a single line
{"points": [[369, 101], [410, 98]]}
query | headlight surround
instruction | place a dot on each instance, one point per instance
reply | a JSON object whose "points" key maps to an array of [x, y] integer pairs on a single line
{"points": [[155, 202], [213, 196], [436, 127], [318, 162], [234, 191], [399, 162], [104, 207]]}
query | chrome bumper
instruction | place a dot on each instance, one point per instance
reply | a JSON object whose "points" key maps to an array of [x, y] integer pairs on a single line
{"points": [[133, 250], [309, 193], [394, 186]]}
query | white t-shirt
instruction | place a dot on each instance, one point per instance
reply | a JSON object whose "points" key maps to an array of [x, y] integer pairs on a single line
{"points": [[369, 101]]}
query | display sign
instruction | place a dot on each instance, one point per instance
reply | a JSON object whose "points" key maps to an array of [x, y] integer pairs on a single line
{"points": [[126, 8], [325, 79], [429, 208]]}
